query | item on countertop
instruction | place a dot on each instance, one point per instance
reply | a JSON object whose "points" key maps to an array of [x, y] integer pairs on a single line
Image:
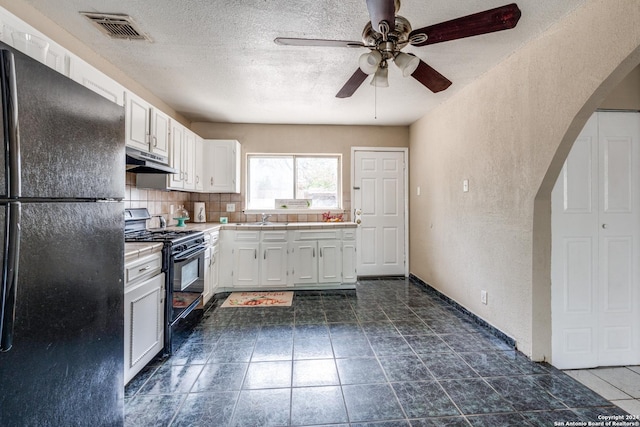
{"points": [[181, 215], [199, 212], [224, 220], [328, 217]]}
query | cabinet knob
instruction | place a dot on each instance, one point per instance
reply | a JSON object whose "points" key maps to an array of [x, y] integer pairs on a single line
{"points": [[358, 221], [604, 225]]}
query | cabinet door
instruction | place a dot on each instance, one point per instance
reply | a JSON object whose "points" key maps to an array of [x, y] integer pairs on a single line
{"points": [[56, 56], [246, 264], [206, 293], [222, 166], [176, 180], [215, 269], [137, 122], [304, 262], [189, 150], [199, 164], [98, 82], [273, 265], [349, 261], [160, 127], [329, 261], [144, 324]]}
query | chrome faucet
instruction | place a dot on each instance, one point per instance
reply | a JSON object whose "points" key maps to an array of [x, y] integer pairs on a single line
{"points": [[265, 217], [162, 221]]}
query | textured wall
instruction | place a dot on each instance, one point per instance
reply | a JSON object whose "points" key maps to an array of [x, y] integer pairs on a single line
{"points": [[509, 133], [258, 138]]}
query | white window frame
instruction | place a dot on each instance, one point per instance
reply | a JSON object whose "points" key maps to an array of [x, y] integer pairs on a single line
{"points": [[337, 156]]}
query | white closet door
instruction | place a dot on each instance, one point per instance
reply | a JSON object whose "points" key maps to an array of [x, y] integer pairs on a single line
{"points": [[595, 218], [619, 216]]}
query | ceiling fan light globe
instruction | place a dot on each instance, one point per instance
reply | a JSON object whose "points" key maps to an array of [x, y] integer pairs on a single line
{"points": [[370, 61], [381, 77], [407, 63]]}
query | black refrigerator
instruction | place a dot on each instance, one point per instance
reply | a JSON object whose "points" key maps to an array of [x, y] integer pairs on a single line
{"points": [[62, 172]]}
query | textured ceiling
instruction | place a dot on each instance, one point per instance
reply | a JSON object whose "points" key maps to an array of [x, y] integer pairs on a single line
{"points": [[216, 60]]}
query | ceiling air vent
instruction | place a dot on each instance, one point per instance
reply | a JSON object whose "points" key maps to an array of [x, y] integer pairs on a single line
{"points": [[116, 26]]}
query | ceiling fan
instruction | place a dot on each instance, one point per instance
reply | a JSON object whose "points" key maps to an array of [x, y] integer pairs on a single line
{"points": [[387, 34]]}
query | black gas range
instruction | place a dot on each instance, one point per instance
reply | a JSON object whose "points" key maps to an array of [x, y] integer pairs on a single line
{"points": [[183, 265]]}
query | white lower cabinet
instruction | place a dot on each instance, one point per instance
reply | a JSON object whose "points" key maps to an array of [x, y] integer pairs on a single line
{"points": [[316, 262], [276, 259], [215, 269], [329, 261], [303, 262], [143, 313], [349, 274], [246, 265], [273, 265], [258, 259], [349, 260], [207, 292]]}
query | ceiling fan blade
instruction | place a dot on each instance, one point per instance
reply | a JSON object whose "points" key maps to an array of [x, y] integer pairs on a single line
{"points": [[433, 80], [352, 84], [285, 41], [382, 10], [489, 21]]}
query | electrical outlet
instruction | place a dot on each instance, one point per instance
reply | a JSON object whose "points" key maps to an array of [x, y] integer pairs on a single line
{"points": [[483, 297], [231, 207]]}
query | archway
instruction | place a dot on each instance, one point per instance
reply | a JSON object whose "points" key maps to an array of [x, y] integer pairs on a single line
{"points": [[541, 251]]}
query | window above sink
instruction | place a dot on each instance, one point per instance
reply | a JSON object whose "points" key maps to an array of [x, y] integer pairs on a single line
{"points": [[289, 182]]}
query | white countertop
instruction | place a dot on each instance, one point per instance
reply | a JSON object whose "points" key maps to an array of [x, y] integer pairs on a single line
{"points": [[214, 226], [139, 249]]}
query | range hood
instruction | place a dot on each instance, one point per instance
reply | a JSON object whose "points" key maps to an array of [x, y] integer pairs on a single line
{"points": [[143, 162]]}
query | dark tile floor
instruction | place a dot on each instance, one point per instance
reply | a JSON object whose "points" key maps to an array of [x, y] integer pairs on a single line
{"points": [[388, 354]]}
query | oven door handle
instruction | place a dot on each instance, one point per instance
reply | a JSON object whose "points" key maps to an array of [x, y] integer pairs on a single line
{"points": [[190, 254]]}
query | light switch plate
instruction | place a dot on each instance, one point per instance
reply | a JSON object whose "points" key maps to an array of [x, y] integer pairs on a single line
{"points": [[465, 185], [231, 207]]}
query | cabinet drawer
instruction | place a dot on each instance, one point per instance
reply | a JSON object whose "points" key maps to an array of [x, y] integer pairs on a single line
{"points": [[349, 234], [274, 236], [246, 236], [141, 268], [317, 234], [214, 237]]}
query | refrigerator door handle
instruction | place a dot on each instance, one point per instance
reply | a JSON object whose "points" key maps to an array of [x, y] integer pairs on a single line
{"points": [[11, 131], [10, 274]]}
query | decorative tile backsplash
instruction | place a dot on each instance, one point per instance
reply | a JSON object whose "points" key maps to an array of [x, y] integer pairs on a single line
{"points": [[160, 202]]}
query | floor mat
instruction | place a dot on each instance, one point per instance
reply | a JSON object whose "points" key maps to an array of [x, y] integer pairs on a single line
{"points": [[258, 299]]}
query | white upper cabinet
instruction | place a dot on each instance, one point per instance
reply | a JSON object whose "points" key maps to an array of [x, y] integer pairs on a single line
{"points": [[176, 181], [199, 152], [30, 41], [97, 81], [189, 159], [147, 128], [138, 121], [160, 131], [221, 165]]}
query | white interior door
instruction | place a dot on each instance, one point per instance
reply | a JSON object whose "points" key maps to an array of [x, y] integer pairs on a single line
{"points": [[379, 203], [595, 229]]}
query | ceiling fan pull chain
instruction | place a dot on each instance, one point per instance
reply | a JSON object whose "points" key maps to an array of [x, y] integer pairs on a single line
{"points": [[375, 102]]}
